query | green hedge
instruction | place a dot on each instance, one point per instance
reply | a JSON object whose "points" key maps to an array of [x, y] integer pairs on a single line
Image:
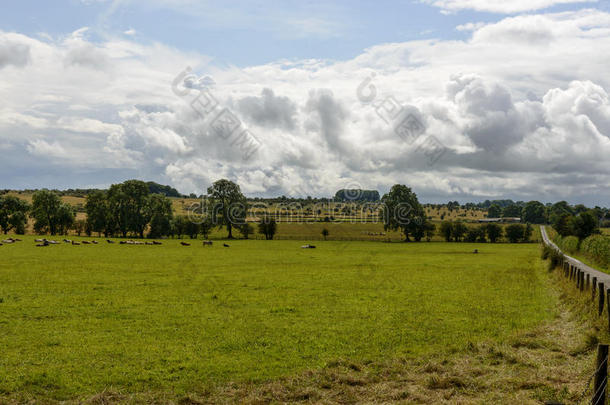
{"points": [[598, 248]]}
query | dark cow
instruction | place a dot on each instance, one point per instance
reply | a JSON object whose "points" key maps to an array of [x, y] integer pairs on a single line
{"points": [[207, 243], [185, 244], [225, 245]]}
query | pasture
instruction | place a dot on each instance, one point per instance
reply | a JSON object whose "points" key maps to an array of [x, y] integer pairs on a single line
{"points": [[172, 319]]}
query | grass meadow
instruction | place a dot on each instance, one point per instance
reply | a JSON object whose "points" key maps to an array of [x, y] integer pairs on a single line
{"points": [[176, 320]]}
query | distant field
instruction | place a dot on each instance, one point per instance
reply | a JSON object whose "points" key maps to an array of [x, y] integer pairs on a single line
{"points": [[75, 320], [338, 211]]}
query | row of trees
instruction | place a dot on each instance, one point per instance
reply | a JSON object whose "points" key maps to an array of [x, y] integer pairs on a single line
{"points": [[460, 232]]}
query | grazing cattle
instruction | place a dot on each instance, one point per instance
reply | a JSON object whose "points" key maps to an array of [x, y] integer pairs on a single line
{"points": [[52, 242], [8, 241], [109, 241], [156, 243], [123, 242], [38, 240], [185, 244], [207, 243], [476, 251], [225, 245], [149, 243], [17, 240], [42, 244], [94, 242], [85, 242], [308, 247], [75, 243], [67, 241]]}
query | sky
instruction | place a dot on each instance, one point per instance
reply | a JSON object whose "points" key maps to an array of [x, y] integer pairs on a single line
{"points": [[459, 99]]}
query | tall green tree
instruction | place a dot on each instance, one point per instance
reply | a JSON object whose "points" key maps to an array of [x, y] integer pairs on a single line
{"points": [[494, 211], [584, 224], [128, 203], [99, 217], [446, 230], [228, 206], [50, 214], [494, 232], [160, 213], [267, 227], [515, 233], [13, 214], [403, 212], [512, 211], [534, 212]]}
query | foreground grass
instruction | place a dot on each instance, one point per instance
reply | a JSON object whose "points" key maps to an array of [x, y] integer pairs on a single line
{"points": [[182, 322]]}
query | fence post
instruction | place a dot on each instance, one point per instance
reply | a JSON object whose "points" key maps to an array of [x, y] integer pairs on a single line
{"points": [[601, 376], [601, 298], [582, 281], [608, 306], [578, 278], [587, 282], [593, 287]]}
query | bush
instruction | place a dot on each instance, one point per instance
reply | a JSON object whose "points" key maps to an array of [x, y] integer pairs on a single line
{"points": [[569, 244], [515, 233], [598, 248]]}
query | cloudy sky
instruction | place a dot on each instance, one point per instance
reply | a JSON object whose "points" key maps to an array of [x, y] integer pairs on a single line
{"points": [[459, 99]]}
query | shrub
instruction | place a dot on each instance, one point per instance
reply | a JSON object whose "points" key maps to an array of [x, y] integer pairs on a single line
{"points": [[569, 244], [598, 248], [515, 233]]}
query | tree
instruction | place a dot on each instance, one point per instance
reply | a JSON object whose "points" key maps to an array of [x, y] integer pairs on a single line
{"points": [[246, 230], [515, 232], [446, 230], [534, 212], [128, 204], [267, 227], [494, 232], [527, 233], [118, 209], [136, 192], [562, 223], [227, 204], [65, 218], [13, 213], [325, 233], [50, 213], [191, 228], [205, 227], [178, 225], [584, 224], [459, 229], [494, 211], [160, 213], [99, 218], [430, 231], [79, 226], [402, 211], [512, 211]]}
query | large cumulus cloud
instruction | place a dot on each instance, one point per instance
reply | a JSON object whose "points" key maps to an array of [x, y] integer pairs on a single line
{"points": [[518, 113]]}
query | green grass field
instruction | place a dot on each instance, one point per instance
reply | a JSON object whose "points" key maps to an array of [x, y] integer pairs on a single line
{"points": [[75, 320]]}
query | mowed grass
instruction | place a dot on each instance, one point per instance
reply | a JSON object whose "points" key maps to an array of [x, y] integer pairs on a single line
{"points": [[76, 320]]}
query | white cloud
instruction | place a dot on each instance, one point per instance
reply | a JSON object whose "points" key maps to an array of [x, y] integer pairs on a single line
{"points": [[510, 103], [499, 6]]}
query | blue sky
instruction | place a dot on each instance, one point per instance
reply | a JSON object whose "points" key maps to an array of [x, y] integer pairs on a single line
{"points": [[253, 32], [513, 93]]}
